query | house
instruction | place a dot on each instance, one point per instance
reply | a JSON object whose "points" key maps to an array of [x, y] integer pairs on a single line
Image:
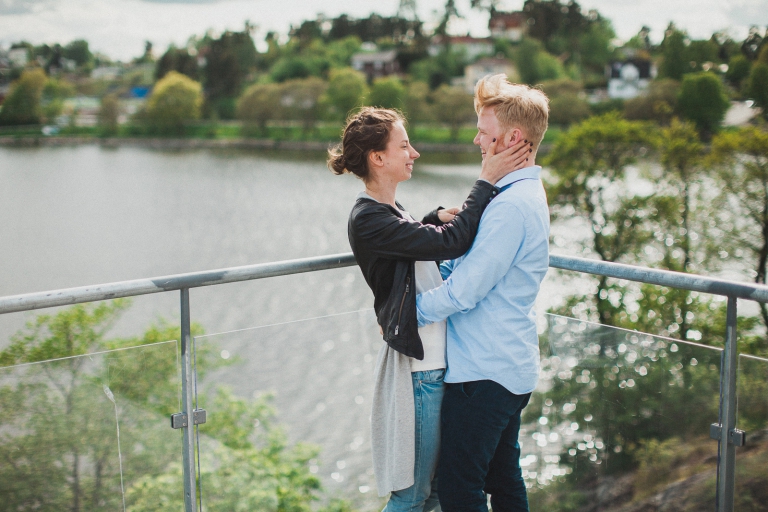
{"points": [[18, 57], [508, 25], [488, 66], [472, 47], [376, 65], [627, 79]]}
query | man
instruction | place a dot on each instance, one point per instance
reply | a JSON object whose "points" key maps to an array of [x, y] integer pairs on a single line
{"points": [[488, 298]]}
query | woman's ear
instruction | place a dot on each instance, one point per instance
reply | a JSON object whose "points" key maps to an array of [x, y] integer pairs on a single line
{"points": [[375, 159]]}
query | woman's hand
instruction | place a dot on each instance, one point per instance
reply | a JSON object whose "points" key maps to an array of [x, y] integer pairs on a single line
{"points": [[498, 165], [447, 215]]}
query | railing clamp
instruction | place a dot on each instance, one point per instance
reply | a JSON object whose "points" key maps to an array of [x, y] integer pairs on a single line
{"points": [[179, 420], [736, 437]]}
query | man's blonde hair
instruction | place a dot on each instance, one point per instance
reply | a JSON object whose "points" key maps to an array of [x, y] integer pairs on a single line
{"points": [[516, 106]]}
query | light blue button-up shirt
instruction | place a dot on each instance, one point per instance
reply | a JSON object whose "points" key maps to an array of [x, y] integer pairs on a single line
{"points": [[489, 293]]}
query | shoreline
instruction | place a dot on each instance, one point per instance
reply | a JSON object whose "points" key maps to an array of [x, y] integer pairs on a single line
{"points": [[188, 143]]}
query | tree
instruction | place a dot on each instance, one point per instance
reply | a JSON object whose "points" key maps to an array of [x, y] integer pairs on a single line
{"points": [[454, 107], [347, 89], [673, 63], [417, 103], [258, 105], [566, 102], [229, 60], [22, 106], [177, 59], [58, 445], [738, 69], [588, 164], [744, 181], [109, 113], [175, 100], [387, 92], [757, 86], [703, 100], [79, 52], [536, 65], [300, 101], [657, 103]]}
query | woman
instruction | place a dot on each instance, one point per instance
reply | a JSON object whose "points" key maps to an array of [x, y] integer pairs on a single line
{"points": [[397, 257]]}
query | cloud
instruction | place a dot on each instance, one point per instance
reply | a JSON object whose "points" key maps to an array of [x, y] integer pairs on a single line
{"points": [[183, 1], [11, 7]]}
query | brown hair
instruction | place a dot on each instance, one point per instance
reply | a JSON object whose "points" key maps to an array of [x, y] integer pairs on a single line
{"points": [[515, 105], [367, 130]]}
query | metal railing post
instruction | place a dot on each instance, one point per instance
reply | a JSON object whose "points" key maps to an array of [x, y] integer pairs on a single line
{"points": [[187, 389], [726, 480]]}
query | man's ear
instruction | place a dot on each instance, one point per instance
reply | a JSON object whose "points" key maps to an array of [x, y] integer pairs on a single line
{"points": [[515, 136]]}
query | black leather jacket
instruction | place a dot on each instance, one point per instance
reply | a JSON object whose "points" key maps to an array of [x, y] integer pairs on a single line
{"points": [[386, 245]]}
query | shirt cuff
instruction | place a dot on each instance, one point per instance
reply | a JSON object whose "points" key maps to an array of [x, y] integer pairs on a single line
{"points": [[422, 320]]}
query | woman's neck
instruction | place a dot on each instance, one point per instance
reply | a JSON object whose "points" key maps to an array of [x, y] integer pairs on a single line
{"points": [[383, 193]]}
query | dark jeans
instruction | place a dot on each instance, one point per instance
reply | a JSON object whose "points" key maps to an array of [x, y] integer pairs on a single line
{"points": [[479, 450]]}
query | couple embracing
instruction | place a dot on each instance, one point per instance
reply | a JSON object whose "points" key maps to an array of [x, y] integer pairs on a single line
{"points": [[461, 356]]}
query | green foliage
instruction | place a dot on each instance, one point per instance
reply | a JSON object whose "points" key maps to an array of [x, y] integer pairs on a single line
{"points": [[454, 107], [109, 112], [387, 92], [347, 90], [301, 101], [258, 105], [757, 86], [22, 106], [673, 64], [595, 47], [179, 60], [566, 102], [439, 69], [588, 167], [229, 60], [658, 103], [536, 65], [738, 69], [175, 100], [417, 106], [58, 445], [741, 158], [79, 52], [702, 99]]}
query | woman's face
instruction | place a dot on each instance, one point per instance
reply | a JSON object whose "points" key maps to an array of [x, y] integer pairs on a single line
{"points": [[398, 157]]}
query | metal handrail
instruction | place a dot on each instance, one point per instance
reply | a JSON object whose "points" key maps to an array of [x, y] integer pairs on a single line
{"points": [[724, 431], [78, 295]]}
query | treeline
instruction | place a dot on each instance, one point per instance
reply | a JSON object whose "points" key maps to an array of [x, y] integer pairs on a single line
{"points": [[563, 48]]}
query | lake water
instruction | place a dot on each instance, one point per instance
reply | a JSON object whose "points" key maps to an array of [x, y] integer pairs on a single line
{"points": [[82, 215]]}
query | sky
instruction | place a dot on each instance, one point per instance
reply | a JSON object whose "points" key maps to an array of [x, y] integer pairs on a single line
{"points": [[118, 28]]}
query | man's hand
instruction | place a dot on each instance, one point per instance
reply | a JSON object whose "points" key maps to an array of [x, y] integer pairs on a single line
{"points": [[498, 165], [447, 215]]}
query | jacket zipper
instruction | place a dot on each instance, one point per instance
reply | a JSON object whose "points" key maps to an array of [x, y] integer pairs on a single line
{"points": [[402, 301]]}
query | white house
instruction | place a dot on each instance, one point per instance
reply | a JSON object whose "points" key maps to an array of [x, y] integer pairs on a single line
{"points": [[376, 65], [472, 47], [508, 25], [488, 66], [629, 78]]}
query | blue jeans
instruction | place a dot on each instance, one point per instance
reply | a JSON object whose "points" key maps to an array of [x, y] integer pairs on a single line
{"points": [[480, 449], [428, 389]]}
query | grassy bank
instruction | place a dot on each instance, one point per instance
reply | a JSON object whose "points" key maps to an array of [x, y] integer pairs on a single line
{"points": [[322, 132]]}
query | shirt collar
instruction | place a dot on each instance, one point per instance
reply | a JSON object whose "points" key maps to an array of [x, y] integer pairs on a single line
{"points": [[533, 172]]}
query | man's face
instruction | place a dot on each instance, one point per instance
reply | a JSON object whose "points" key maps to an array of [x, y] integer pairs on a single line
{"points": [[488, 128]]}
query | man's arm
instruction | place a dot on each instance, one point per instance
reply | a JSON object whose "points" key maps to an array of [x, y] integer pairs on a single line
{"points": [[498, 241]]}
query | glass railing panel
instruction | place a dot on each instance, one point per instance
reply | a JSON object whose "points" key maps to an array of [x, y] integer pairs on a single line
{"points": [[288, 408], [91, 432], [752, 417], [620, 419]]}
